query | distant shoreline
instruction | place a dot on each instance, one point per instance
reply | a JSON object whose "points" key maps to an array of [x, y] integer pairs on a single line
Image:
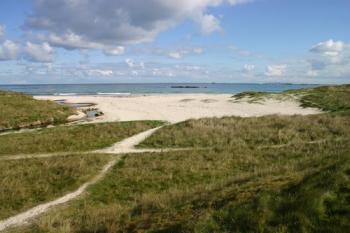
{"points": [[146, 89]]}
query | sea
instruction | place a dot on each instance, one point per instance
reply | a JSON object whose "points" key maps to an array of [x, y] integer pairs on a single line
{"points": [[113, 89]]}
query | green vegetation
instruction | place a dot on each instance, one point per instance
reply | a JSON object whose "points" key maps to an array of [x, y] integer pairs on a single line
{"points": [[256, 97], [262, 174], [72, 138], [27, 183], [254, 132], [236, 190], [335, 99], [317, 203], [22, 111]]}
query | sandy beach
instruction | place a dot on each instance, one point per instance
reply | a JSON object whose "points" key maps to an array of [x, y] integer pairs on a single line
{"points": [[179, 107]]}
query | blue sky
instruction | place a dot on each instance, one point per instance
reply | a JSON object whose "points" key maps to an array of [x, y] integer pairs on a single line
{"points": [[87, 41]]}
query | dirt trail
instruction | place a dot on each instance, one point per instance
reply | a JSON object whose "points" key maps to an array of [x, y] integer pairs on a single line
{"points": [[128, 145], [125, 146], [24, 217]]}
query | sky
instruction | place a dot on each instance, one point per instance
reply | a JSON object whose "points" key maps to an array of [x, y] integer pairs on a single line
{"points": [[142, 41]]}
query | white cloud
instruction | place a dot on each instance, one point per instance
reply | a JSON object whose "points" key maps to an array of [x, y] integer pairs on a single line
{"points": [[312, 73], [237, 2], [8, 50], [142, 65], [97, 72], [103, 24], [130, 62], [248, 68], [69, 40], [276, 70], [329, 48], [208, 23], [330, 53], [175, 55], [134, 73], [119, 50], [198, 50], [39, 52], [180, 53]]}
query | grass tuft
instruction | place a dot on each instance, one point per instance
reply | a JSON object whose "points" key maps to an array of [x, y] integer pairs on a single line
{"points": [[19, 110], [72, 138], [334, 99], [27, 183]]}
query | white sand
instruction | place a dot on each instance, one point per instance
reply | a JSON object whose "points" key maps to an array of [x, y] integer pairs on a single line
{"points": [[180, 107]]}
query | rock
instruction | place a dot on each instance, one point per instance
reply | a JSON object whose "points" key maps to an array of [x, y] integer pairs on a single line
{"points": [[36, 123], [80, 115]]}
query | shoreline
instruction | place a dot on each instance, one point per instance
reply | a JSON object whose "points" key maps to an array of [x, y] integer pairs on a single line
{"points": [[179, 107]]}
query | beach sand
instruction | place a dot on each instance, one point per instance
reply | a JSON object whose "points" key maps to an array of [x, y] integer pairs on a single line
{"points": [[179, 107]]}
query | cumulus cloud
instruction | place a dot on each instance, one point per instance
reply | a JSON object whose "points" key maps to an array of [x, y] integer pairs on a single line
{"points": [[99, 72], [329, 48], [330, 53], [8, 50], [39, 52], [248, 68], [119, 50], [106, 23], [175, 55], [180, 53], [312, 73], [276, 70], [198, 50], [208, 23], [131, 64], [69, 40], [237, 2]]}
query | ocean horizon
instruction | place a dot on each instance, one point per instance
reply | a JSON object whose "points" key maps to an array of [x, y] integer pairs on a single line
{"points": [[122, 89]]}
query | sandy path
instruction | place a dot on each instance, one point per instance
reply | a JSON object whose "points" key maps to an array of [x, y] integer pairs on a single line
{"points": [[24, 217], [128, 145], [125, 146], [32, 156]]}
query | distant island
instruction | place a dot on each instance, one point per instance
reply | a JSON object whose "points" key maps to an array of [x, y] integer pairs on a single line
{"points": [[187, 87]]}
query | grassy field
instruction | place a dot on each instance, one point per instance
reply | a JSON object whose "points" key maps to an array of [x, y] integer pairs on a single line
{"points": [[22, 111], [71, 138], [236, 190], [334, 99], [267, 174], [254, 132], [26, 183]]}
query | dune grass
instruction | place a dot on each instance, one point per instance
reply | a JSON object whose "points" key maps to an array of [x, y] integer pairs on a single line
{"points": [[18, 110], [266, 174], [334, 99], [264, 131], [236, 190], [26, 183], [254, 132], [317, 203], [71, 138]]}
